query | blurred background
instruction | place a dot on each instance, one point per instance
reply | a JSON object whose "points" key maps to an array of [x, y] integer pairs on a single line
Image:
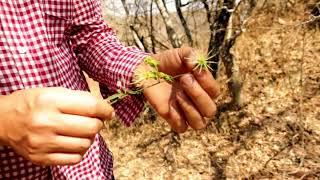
{"points": [[267, 55]]}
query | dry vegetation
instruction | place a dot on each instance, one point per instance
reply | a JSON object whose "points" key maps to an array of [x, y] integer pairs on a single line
{"points": [[276, 135]]}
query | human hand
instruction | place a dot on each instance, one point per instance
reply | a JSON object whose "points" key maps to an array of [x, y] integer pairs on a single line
{"points": [[176, 61], [51, 126], [189, 101]]}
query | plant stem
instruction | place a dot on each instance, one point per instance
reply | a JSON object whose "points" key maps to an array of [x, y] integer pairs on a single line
{"points": [[121, 94]]}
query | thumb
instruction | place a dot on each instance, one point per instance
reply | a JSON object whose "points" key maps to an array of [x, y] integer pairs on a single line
{"points": [[185, 54]]}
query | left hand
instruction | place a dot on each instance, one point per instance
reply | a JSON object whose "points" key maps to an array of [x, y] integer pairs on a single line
{"points": [[189, 101]]}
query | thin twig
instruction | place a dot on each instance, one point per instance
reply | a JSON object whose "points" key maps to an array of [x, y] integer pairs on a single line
{"points": [[276, 154], [301, 128]]}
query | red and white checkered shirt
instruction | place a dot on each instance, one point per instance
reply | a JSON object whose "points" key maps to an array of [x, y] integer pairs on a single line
{"points": [[48, 43]]}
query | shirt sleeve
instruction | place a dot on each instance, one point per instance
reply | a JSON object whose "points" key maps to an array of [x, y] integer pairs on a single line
{"points": [[104, 58]]}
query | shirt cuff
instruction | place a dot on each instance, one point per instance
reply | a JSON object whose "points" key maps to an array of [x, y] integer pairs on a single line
{"points": [[129, 108]]}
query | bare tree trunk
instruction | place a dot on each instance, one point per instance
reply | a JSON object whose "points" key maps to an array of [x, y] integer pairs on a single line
{"points": [[153, 44], [137, 40], [135, 34], [236, 21], [184, 22], [218, 22], [173, 37]]}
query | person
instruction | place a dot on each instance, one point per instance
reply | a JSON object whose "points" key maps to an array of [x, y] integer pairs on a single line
{"points": [[49, 122]]}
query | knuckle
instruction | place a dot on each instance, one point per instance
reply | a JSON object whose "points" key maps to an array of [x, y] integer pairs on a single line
{"points": [[43, 99], [196, 94], [38, 120], [188, 108], [186, 82], [33, 144], [30, 150]]}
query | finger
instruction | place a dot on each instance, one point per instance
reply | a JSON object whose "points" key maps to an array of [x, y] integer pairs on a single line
{"points": [[199, 97], [56, 159], [185, 54], [172, 114], [207, 82], [79, 103], [104, 110], [65, 144], [162, 98], [193, 116], [77, 126], [176, 118]]}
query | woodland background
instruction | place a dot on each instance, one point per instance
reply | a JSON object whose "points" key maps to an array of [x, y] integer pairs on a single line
{"points": [[268, 63]]}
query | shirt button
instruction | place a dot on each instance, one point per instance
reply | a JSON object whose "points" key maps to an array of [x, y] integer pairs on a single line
{"points": [[22, 50]]}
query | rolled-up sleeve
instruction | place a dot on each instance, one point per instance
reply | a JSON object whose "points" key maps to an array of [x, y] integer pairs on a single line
{"points": [[104, 58]]}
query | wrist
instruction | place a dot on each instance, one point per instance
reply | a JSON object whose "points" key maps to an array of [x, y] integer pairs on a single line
{"points": [[141, 79], [147, 74]]}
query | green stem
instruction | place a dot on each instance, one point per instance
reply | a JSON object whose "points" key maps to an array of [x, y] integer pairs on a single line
{"points": [[124, 93]]}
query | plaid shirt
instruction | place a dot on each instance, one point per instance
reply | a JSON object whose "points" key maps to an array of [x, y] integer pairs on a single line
{"points": [[48, 43]]}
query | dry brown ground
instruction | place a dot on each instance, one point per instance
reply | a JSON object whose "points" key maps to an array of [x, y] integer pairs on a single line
{"points": [[275, 136]]}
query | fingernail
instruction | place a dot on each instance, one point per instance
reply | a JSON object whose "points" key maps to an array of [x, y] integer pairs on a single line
{"points": [[187, 79], [113, 115], [200, 74]]}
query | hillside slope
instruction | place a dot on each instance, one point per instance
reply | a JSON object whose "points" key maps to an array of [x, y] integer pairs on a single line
{"points": [[275, 136]]}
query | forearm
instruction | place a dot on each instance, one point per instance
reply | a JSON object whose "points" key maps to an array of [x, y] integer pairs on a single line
{"points": [[111, 64], [100, 54]]}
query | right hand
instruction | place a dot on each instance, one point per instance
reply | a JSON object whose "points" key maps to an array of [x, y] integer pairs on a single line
{"points": [[51, 126]]}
